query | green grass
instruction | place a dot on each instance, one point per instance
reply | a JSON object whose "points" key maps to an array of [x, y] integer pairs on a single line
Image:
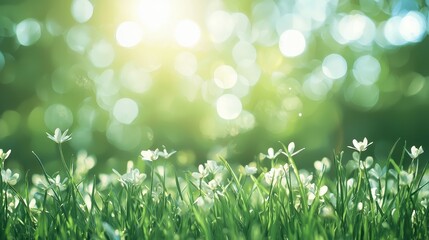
{"points": [[363, 198]]}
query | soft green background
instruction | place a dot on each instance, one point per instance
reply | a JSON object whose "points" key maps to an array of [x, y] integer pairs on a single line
{"points": [[64, 78]]}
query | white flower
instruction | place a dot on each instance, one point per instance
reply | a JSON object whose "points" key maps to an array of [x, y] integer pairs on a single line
{"points": [[271, 154], [8, 177], [360, 146], [57, 183], [4, 155], [415, 152], [133, 177], [405, 178], [213, 167], [166, 154], [249, 170], [205, 203], [291, 150], [149, 155], [202, 173], [59, 137], [322, 165]]}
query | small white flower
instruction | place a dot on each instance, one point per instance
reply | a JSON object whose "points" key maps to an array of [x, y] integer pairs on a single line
{"points": [[291, 150], [8, 177], [322, 165], [415, 152], [56, 182], [4, 155], [360, 146], [405, 178], [249, 170], [133, 177], [205, 203], [166, 154], [59, 137], [202, 173], [271, 154], [211, 166], [149, 155]]}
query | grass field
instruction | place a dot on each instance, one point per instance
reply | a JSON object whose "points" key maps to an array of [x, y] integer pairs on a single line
{"points": [[361, 198]]}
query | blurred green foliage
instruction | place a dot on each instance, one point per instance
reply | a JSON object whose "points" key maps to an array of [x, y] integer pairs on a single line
{"points": [[211, 78]]}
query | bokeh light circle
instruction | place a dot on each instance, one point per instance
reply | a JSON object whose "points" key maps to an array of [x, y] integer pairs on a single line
{"points": [[129, 34], [187, 33], [28, 32], [125, 110], [225, 76], [366, 70], [82, 10], [334, 66], [292, 43], [229, 106], [58, 116]]}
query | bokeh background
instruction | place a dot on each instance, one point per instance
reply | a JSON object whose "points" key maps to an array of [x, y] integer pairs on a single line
{"points": [[209, 78]]}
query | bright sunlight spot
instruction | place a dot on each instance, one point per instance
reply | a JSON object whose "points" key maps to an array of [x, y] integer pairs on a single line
{"points": [[334, 66], [413, 26], [366, 70], [188, 33], [129, 34], [28, 32], [82, 10], [125, 110], [229, 106], [225, 77], [292, 43], [154, 14]]}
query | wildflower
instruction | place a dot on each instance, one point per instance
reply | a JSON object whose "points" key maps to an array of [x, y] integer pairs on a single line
{"points": [[133, 177], [377, 172], [205, 203], [84, 163], [415, 152], [405, 178], [322, 165], [149, 155], [8, 177], [4, 155], [360, 146], [59, 137], [213, 167], [202, 173], [271, 154], [56, 182], [166, 154], [249, 170], [291, 150]]}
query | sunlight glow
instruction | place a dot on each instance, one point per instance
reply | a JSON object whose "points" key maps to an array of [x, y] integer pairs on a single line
{"points": [[225, 77], [82, 10], [28, 32], [366, 70], [292, 43], [125, 110], [188, 33], [228, 106], [413, 26], [129, 34], [154, 14], [334, 66]]}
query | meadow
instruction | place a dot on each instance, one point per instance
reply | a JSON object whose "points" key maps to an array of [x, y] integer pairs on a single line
{"points": [[360, 198]]}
